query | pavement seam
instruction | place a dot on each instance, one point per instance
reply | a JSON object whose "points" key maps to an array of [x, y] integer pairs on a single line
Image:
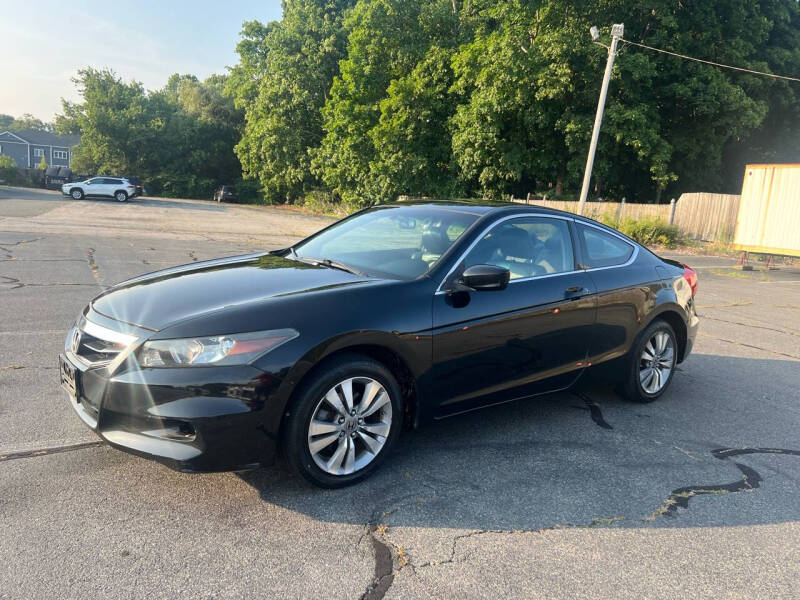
{"points": [[51, 450], [719, 339]]}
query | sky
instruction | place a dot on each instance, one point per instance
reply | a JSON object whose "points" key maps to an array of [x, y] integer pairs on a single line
{"points": [[46, 42]]}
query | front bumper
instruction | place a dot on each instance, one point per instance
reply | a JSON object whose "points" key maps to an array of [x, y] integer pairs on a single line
{"points": [[190, 419]]}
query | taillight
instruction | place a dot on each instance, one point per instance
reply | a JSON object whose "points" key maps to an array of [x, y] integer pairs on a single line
{"points": [[690, 275]]}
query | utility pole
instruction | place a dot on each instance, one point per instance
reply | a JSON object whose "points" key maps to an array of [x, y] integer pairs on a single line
{"points": [[616, 33]]}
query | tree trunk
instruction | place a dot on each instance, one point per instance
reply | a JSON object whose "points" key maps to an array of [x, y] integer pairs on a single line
{"points": [[560, 180]]}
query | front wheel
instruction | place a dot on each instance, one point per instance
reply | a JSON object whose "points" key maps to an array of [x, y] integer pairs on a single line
{"points": [[121, 196], [651, 363], [77, 194], [343, 422]]}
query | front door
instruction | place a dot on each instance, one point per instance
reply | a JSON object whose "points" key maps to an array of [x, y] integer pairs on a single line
{"points": [[530, 338], [94, 186]]}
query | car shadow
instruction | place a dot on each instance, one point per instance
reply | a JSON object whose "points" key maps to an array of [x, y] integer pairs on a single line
{"points": [[583, 458]]}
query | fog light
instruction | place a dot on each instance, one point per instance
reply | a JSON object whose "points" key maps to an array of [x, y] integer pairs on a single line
{"points": [[174, 430]]}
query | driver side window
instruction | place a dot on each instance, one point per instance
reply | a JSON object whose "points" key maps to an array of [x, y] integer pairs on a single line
{"points": [[527, 247]]}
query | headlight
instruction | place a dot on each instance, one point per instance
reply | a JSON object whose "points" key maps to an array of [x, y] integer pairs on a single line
{"points": [[235, 349]]}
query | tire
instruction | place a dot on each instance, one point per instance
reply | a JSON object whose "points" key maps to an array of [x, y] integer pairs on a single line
{"points": [[333, 437], [76, 193], [121, 196], [650, 365]]}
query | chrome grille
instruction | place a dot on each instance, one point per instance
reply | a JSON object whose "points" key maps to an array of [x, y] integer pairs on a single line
{"points": [[96, 346], [96, 351]]}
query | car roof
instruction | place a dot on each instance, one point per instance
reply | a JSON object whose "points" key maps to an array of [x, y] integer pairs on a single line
{"points": [[483, 206]]}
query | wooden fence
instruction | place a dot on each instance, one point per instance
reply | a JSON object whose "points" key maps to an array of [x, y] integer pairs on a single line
{"points": [[701, 216], [709, 217], [596, 210]]}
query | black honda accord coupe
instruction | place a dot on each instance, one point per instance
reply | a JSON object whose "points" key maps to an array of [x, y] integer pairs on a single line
{"points": [[392, 317]]}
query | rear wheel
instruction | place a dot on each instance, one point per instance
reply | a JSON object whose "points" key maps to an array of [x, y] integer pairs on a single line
{"points": [[77, 194], [651, 363], [344, 421], [121, 196]]}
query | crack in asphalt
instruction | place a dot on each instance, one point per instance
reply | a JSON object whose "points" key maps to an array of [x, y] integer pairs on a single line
{"points": [[4, 246], [384, 564], [12, 281], [750, 481], [719, 339], [679, 498], [795, 333], [387, 554], [16, 284], [50, 450], [594, 410], [93, 266]]}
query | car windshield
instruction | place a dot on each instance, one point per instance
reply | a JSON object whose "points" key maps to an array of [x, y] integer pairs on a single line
{"points": [[401, 242]]}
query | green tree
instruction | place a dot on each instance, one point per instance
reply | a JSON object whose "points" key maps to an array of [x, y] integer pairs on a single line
{"points": [[179, 139], [114, 120], [6, 162], [245, 78], [27, 121], [282, 81], [387, 40], [42, 166]]}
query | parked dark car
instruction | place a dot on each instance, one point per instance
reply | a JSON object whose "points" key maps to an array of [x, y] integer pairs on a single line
{"points": [[392, 317], [226, 193], [55, 177]]}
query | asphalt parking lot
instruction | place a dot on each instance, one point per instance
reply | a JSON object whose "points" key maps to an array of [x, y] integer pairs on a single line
{"points": [[571, 495]]}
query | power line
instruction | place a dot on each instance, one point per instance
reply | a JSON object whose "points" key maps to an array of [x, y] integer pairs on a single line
{"points": [[708, 62]]}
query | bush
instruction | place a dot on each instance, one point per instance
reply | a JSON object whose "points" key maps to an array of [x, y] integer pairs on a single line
{"points": [[320, 201], [249, 191], [648, 231]]}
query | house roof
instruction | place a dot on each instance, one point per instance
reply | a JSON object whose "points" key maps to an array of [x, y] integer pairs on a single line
{"points": [[45, 138]]}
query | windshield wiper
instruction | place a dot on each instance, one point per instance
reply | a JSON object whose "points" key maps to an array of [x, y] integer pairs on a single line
{"points": [[334, 265]]}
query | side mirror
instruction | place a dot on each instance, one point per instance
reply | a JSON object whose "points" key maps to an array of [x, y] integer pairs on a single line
{"points": [[485, 277]]}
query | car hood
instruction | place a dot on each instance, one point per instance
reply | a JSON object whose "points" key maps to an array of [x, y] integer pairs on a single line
{"points": [[157, 300]]}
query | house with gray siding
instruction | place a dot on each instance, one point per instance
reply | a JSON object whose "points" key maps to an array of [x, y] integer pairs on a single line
{"points": [[29, 146]]}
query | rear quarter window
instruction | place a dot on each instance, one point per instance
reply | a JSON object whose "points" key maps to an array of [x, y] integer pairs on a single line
{"points": [[604, 249]]}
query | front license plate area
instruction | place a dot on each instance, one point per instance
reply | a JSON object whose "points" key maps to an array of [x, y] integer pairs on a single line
{"points": [[69, 378]]}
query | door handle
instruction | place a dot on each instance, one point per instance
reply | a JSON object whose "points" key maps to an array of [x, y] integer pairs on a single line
{"points": [[575, 292]]}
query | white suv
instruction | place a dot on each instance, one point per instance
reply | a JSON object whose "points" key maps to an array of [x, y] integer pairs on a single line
{"points": [[108, 187]]}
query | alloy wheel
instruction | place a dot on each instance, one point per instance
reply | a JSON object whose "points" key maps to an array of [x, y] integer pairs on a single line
{"points": [[121, 196], [76, 194], [350, 425], [656, 362]]}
